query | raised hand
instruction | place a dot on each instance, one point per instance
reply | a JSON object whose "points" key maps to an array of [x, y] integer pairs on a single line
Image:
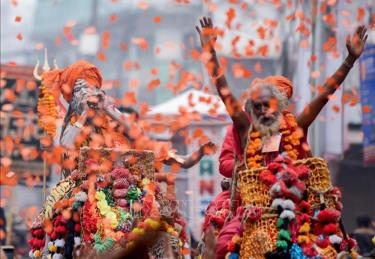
{"points": [[206, 32], [356, 44]]}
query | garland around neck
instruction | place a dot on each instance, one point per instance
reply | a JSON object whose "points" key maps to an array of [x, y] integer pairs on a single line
{"points": [[290, 142]]}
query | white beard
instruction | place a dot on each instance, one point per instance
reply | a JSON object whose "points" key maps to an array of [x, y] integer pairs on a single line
{"points": [[264, 130]]}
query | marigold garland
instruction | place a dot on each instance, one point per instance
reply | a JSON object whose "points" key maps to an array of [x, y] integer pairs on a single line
{"points": [[290, 141], [47, 111]]}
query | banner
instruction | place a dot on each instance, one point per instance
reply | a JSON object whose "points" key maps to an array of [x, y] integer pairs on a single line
{"points": [[367, 90]]}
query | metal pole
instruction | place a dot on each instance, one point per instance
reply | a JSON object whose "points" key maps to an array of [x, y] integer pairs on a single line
{"points": [[44, 176], [314, 66]]}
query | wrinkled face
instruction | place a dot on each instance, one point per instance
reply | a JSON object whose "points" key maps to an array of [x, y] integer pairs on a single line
{"points": [[82, 92], [264, 106]]}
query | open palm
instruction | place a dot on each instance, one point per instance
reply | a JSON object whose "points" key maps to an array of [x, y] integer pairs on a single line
{"points": [[356, 44], [206, 32]]}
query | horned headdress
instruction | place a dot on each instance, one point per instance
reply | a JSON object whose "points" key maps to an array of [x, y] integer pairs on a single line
{"points": [[56, 82]]}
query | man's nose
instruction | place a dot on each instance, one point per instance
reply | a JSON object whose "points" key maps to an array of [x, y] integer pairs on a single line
{"points": [[264, 109]]}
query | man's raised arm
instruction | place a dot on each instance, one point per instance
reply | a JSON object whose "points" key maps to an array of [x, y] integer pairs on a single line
{"points": [[208, 39], [355, 46]]}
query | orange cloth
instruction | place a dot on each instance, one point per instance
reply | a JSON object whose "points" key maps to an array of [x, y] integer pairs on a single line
{"points": [[281, 82], [63, 80]]}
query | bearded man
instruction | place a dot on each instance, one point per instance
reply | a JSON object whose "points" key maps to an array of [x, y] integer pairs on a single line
{"points": [[92, 120], [271, 130]]}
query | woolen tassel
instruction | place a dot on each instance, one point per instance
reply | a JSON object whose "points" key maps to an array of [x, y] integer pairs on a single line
{"points": [[287, 214], [335, 239], [277, 202], [288, 205], [281, 223], [59, 242], [296, 252], [57, 256], [282, 245], [77, 241], [234, 256], [284, 235]]}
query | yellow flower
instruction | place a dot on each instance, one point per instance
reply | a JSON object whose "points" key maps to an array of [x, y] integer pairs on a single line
{"points": [[295, 142], [292, 155], [305, 228], [152, 223], [100, 195], [288, 147], [52, 248], [255, 134], [112, 216], [303, 239], [145, 181], [103, 207], [37, 253], [139, 231]]}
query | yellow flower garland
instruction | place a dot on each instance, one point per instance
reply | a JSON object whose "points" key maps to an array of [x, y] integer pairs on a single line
{"points": [[105, 209]]}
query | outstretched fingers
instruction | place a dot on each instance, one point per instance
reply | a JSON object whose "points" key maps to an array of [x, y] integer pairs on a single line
{"points": [[202, 23], [198, 30]]}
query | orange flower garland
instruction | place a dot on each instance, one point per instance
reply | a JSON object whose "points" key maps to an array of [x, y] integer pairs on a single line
{"points": [[290, 142], [47, 112]]}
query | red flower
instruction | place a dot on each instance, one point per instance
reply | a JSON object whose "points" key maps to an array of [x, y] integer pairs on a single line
{"points": [[231, 246], [60, 230], [254, 214], [302, 171], [329, 215], [322, 243], [330, 229], [274, 167], [267, 177], [53, 235], [77, 228], [37, 232], [304, 218], [309, 250]]}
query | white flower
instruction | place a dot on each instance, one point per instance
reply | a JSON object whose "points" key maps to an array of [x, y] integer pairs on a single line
{"points": [[81, 197], [287, 214], [288, 205], [59, 242], [335, 239], [57, 256], [77, 241], [277, 202]]}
